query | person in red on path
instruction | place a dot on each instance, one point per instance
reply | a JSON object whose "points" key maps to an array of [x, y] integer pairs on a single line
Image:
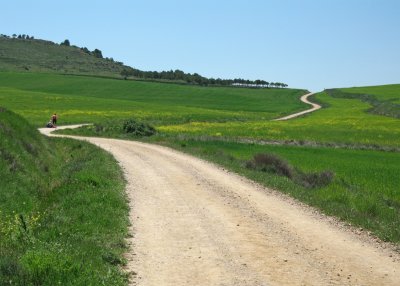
{"points": [[54, 119]]}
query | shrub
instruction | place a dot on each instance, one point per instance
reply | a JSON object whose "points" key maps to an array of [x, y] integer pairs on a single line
{"points": [[314, 180], [273, 164], [270, 163], [138, 128]]}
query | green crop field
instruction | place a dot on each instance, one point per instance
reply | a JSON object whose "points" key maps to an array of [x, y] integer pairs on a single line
{"points": [[193, 110], [87, 99], [345, 121], [209, 122]]}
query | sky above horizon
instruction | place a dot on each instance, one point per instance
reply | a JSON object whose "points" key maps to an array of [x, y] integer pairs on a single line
{"points": [[310, 44]]}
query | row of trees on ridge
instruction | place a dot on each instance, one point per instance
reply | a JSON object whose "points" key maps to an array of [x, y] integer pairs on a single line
{"points": [[15, 36], [178, 75], [96, 52]]}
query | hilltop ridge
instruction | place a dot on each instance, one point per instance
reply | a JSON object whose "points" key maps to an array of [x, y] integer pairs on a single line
{"points": [[18, 54], [24, 53]]}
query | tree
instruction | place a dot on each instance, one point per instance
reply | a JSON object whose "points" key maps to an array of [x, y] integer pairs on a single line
{"points": [[125, 73], [97, 53], [65, 43], [86, 50]]}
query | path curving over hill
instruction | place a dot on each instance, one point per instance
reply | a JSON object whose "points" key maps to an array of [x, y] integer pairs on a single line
{"points": [[304, 99], [194, 223]]}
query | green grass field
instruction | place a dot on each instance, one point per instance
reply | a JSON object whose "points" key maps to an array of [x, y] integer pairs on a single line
{"points": [[63, 211], [197, 111], [88, 99], [344, 121], [365, 189]]}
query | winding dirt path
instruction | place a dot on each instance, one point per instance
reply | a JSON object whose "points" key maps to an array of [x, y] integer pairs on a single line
{"points": [[304, 99], [194, 223]]}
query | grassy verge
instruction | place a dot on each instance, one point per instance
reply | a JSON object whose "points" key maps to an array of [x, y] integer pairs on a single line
{"points": [[63, 213], [364, 190]]}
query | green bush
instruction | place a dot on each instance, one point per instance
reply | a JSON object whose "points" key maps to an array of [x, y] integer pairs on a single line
{"points": [[138, 128]]}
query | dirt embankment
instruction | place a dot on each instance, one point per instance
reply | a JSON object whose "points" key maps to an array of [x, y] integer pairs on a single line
{"points": [[197, 224]]}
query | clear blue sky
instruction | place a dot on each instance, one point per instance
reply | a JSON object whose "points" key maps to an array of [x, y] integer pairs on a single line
{"points": [[311, 44]]}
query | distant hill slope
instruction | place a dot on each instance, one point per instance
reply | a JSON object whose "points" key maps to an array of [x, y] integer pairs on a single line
{"points": [[45, 56], [24, 53], [384, 99]]}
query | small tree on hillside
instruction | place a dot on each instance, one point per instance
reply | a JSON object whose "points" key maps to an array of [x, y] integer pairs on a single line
{"points": [[65, 43], [97, 53]]}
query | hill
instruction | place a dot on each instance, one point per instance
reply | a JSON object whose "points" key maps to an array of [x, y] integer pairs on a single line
{"points": [[45, 56], [24, 53], [56, 198], [384, 99]]}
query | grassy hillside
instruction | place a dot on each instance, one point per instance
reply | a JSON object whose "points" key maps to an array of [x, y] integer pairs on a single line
{"points": [[390, 92], [87, 99], [23, 53], [46, 56], [383, 100], [63, 214]]}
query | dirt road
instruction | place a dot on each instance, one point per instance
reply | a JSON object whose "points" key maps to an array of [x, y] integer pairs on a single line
{"points": [[196, 224], [304, 99]]}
